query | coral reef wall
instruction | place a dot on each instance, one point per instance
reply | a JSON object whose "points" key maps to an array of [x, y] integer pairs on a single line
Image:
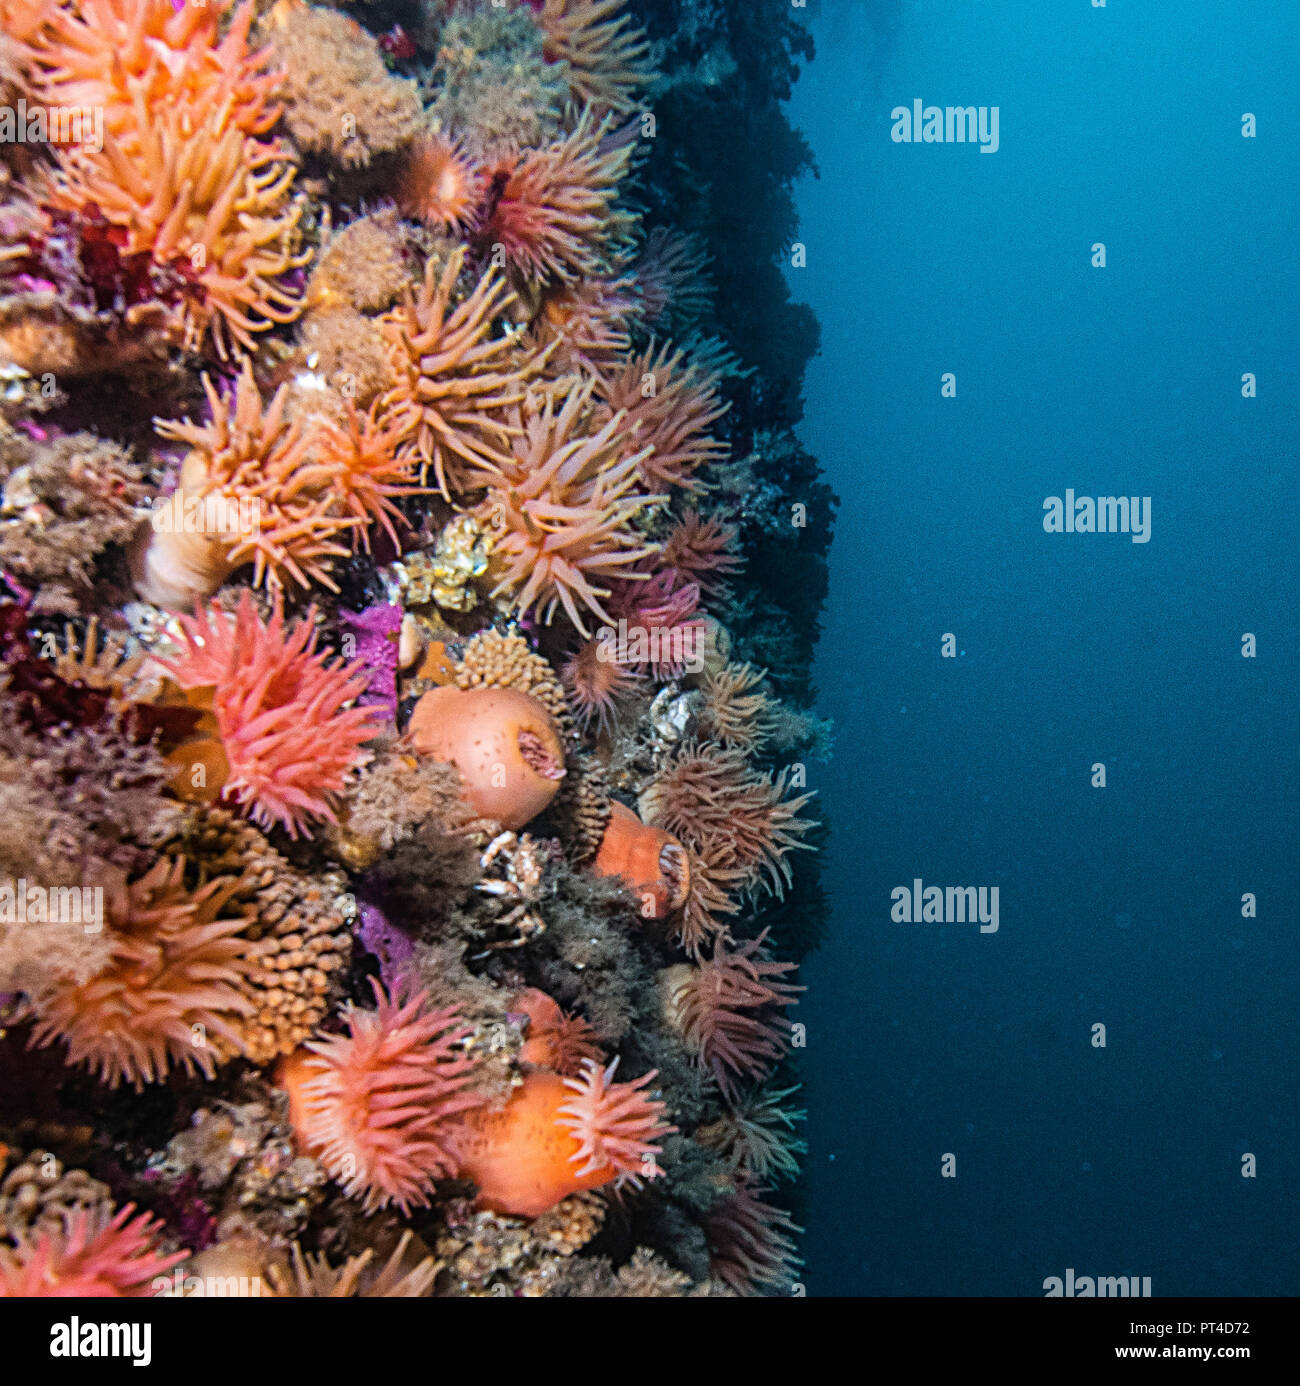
{"points": [[410, 580]]}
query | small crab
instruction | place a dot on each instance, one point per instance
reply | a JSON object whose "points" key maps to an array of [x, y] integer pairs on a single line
{"points": [[525, 862]]}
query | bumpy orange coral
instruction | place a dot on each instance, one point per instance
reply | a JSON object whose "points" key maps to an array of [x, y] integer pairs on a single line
{"points": [[561, 508], [174, 990], [118, 1259], [455, 378], [246, 467], [286, 732], [504, 744], [553, 217], [607, 55], [653, 865], [669, 405], [382, 1104], [556, 1136]]}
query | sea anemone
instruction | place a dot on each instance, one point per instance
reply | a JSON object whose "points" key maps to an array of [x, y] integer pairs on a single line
{"points": [[663, 632], [710, 798], [280, 708], [360, 1276], [756, 1137], [616, 1125], [358, 466], [651, 863], [702, 551], [607, 56], [454, 377], [441, 185], [555, 1040], [671, 279], [709, 899], [253, 499], [561, 507], [726, 1011], [737, 712], [590, 322], [556, 1136], [597, 683], [668, 405], [503, 743], [751, 1243], [175, 988], [118, 1259], [208, 204], [101, 53], [553, 217], [381, 1105]]}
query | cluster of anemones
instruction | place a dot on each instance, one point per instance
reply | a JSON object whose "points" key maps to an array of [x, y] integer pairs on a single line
{"points": [[258, 487], [185, 173]]}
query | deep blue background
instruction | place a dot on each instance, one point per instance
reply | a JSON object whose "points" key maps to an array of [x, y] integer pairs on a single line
{"points": [[1120, 905]]}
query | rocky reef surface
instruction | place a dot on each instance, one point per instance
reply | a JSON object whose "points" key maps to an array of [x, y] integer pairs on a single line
{"points": [[410, 579]]}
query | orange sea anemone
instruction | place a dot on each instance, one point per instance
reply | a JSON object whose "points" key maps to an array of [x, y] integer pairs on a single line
{"points": [[556, 1136], [608, 57], [441, 185], [281, 711], [98, 54], [669, 405], [119, 1258], [358, 467], [714, 802], [208, 204], [597, 683], [554, 215], [455, 378], [382, 1105], [504, 744], [751, 1243], [174, 992], [252, 499], [651, 863], [555, 1040], [726, 1010], [561, 509]]}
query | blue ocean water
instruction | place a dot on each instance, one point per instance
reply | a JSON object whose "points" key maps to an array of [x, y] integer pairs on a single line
{"points": [[1123, 905]]}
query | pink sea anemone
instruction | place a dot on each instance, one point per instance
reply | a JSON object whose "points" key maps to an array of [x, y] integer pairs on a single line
{"points": [[556, 1040], [617, 1125], [702, 552], [117, 1259], [726, 1011], [281, 712], [381, 1104]]}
